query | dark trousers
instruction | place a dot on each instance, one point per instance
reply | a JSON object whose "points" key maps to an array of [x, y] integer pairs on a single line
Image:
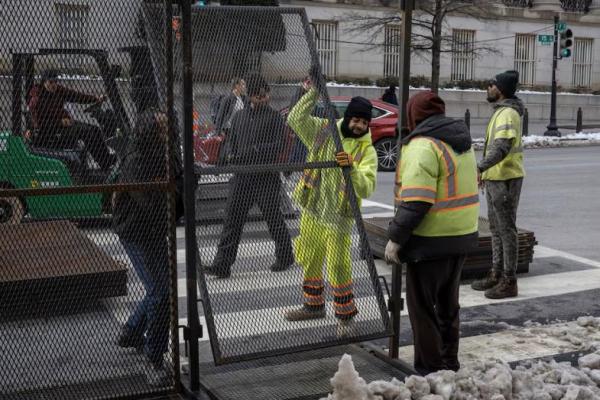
{"points": [[503, 200], [245, 191], [67, 137], [432, 299]]}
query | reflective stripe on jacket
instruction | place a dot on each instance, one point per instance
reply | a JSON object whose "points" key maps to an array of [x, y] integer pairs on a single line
{"points": [[432, 172], [505, 124]]}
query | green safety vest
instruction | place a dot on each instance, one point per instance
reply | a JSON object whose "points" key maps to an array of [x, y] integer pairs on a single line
{"points": [[432, 172], [505, 124]]}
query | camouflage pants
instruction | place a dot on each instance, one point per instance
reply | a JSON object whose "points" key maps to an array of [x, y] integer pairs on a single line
{"points": [[502, 201]]}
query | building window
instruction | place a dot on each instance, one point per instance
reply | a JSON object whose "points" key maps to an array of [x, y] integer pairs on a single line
{"points": [[72, 30], [525, 58], [326, 33], [463, 58], [391, 55], [583, 58]]}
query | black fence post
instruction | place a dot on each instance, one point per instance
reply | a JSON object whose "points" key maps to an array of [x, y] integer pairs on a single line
{"points": [[579, 127], [468, 119], [526, 122]]}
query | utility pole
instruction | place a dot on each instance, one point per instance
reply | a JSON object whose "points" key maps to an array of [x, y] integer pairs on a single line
{"points": [[552, 128], [396, 302]]}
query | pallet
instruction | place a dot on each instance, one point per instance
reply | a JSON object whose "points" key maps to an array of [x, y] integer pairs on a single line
{"points": [[52, 265], [477, 263]]}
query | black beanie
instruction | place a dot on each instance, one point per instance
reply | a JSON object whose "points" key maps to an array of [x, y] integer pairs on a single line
{"points": [[254, 84], [49, 74], [359, 107], [507, 83]]}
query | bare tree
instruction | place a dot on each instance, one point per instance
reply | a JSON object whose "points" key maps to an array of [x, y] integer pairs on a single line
{"points": [[430, 29]]}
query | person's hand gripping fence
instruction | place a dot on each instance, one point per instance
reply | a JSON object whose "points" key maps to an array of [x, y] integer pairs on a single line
{"points": [[344, 159]]}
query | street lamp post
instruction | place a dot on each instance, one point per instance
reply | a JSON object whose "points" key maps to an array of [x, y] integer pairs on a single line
{"points": [[552, 127]]}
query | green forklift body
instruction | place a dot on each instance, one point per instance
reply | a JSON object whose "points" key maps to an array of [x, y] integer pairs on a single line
{"points": [[22, 170]]}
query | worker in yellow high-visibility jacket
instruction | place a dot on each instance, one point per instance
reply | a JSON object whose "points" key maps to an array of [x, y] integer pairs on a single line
{"points": [[327, 220], [502, 173], [435, 226]]}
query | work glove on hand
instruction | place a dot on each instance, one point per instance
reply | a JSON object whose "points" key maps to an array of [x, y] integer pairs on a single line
{"points": [[392, 252], [344, 159]]}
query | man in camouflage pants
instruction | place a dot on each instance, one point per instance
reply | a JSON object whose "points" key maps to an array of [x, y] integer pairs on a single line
{"points": [[502, 172]]}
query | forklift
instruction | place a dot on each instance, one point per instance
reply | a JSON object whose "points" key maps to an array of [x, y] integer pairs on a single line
{"points": [[23, 165]]}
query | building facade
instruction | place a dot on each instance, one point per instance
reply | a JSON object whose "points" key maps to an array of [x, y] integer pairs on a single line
{"points": [[511, 32]]}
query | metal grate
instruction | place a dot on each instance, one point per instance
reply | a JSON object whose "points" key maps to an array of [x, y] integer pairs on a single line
{"points": [[463, 58], [279, 145], [87, 201], [326, 33], [525, 58], [583, 61], [392, 45]]}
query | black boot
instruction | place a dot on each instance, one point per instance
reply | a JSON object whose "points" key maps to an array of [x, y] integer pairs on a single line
{"points": [[281, 265], [507, 287], [130, 338], [491, 280]]}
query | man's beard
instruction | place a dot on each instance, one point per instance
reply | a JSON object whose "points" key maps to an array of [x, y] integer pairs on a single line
{"points": [[492, 99]]}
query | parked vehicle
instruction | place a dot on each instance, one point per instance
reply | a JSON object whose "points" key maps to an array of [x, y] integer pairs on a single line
{"points": [[384, 133]]}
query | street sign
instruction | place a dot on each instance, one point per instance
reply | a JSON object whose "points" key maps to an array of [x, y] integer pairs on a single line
{"points": [[546, 39], [561, 26]]}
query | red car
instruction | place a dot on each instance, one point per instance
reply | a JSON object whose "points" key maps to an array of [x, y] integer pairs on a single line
{"points": [[383, 130]]}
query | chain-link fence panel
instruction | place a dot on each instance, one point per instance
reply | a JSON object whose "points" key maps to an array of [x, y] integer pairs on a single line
{"points": [[88, 201], [287, 266]]}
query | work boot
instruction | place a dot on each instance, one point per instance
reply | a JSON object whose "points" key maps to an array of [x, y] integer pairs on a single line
{"points": [[130, 338], [492, 278], [507, 287], [218, 271], [303, 314], [345, 328], [279, 266]]}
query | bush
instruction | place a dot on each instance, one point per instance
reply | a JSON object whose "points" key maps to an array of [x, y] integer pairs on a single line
{"points": [[347, 80], [467, 84], [415, 81]]}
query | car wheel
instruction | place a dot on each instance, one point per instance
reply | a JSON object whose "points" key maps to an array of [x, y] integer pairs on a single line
{"points": [[387, 154], [11, 211]]}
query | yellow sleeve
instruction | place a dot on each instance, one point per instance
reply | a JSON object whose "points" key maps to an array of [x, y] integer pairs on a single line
{"points": [[419, 174]]}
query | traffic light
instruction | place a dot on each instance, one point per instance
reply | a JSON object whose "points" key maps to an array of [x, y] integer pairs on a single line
{"points": [[566, 41]]}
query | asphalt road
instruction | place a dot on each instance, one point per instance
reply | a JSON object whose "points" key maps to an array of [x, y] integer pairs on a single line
{"points": [[560, 200]]}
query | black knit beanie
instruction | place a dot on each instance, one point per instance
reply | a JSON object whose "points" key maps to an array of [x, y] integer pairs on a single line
{"points": [[359, 107], [507, 83]]}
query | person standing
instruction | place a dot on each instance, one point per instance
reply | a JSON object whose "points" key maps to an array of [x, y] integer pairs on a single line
{"points": [[502, 174], [326, 221], [257, 137], [140, 220], [56, 128], [435, 226], [229, 105], [389, 96]]}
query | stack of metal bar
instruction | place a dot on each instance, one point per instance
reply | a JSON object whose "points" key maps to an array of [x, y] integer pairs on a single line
{"points": [[478, 262]]}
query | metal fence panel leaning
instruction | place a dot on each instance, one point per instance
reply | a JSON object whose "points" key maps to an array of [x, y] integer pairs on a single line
{"points": [[285, 265], [88, 165]]}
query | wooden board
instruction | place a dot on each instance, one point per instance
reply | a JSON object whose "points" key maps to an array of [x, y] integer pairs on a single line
{"points": [[45, 263], [477, 263]]}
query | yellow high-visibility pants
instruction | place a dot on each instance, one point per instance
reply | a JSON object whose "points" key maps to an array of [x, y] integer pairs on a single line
{"points": [[319, 243]]}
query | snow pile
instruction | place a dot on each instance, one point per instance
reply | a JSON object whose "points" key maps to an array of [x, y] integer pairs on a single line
{"points": [[494, 379], [535, 141]]}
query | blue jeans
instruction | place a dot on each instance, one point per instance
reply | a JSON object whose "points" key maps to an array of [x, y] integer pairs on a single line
{"points": [[151, 315]]}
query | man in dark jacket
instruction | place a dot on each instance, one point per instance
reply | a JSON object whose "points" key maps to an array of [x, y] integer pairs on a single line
{"points": [[141, 221], [257, 137], [435, 226], [56, 128], [229, 105]]}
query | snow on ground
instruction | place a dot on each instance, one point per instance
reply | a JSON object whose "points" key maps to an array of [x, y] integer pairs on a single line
{"points": [[538, 141], [495, 379]]}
